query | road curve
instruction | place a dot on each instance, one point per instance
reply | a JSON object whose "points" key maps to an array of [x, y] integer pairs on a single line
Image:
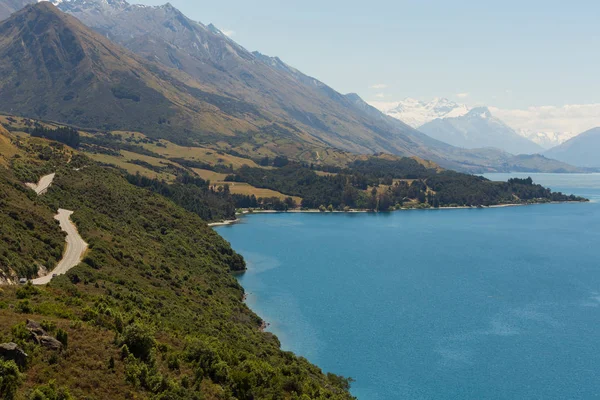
{"points": [[75, 249], [42, 186]]}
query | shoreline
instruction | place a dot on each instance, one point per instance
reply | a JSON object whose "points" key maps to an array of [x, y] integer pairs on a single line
{"points": [[317, 211]]}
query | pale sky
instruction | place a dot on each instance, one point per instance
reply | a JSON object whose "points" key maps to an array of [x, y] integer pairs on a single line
{"points": [[506, 54]]}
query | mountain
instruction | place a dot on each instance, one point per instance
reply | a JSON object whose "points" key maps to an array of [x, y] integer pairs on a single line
{"points": [[417, 113], [55, 68], [546, 140], [191, 84], [583, 150], [479, 128]]}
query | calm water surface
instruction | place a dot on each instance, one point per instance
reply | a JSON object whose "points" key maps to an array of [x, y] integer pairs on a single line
{"points": [[438, 304]]}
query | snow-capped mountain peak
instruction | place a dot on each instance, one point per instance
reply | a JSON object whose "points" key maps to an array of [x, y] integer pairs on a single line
{"points": [[417, 113], [546, 139]]}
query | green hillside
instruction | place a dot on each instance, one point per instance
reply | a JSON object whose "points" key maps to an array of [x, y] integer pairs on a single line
{"points": [[154, 311]]}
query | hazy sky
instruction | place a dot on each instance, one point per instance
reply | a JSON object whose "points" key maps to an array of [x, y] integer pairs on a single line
{"points": [[510, 54]]}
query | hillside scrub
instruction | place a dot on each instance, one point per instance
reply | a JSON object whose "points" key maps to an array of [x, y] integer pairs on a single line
{"points": [[153, 311]]}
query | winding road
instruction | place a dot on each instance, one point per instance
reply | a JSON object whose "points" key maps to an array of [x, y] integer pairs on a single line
{"points": [[76, 248], [42, 186]]}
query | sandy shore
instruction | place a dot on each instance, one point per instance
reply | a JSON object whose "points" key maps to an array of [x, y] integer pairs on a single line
{"points": [[223, 223], [313, 211]]}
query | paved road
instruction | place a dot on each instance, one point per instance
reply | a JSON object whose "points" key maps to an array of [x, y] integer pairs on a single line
{"points": [[42, 186], [74, 252]]}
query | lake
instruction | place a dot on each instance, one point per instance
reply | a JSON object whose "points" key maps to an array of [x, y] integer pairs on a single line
{"points": [[499, 303]]}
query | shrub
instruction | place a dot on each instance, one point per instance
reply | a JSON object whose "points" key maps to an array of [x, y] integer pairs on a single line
{"points": [[48, 326], [24, 307], [139, 340], [10, 379], [63, 337], [50, 392], [27, 291]]}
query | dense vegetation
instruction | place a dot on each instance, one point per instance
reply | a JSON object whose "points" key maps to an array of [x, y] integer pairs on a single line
{"points": [[29, 238], [152, 312], [66, 135], [194, 194], [380, 184]]}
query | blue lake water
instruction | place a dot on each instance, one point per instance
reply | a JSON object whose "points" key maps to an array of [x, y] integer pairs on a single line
{"points": [[437, 304]]}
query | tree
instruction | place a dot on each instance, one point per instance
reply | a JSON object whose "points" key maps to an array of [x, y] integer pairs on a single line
{"points": [[290, 203], [280, 161]]}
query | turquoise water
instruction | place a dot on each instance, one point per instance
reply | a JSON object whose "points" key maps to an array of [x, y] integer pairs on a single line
{"points": [[437, 304]]}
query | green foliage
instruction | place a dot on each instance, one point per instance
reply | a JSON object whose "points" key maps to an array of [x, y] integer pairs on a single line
{"points": [[50, 392], [24, 307], [405, 180], [10, 379], [66, 135], [28, 291], [48, 326], [139, 340], [29, 236], [193, 194], [63, 337], [166, 293]]}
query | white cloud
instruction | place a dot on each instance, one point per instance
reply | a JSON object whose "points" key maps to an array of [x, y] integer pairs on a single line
{"points": [[462, 95], [574, 118], [228, 32], [378, 86], [380, 95]]}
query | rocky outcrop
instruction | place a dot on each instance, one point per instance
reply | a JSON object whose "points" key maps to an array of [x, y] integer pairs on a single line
{"points": [[8, 277], [10, 351], [41, 337]]}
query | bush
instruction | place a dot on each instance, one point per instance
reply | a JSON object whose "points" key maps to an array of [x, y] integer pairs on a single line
{"points": [[50, 392], [139, 340], [63, 337], [10, 379], [27, 291], [48, 326], [24, 307]]}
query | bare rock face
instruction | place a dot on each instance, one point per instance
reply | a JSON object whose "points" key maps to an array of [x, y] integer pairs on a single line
{"points": [[12, 352], [41, 337]]}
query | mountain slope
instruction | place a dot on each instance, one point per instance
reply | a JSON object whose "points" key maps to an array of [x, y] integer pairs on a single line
{"points": [[7, 7], [478, 128], [55, 68], [583, 150]]}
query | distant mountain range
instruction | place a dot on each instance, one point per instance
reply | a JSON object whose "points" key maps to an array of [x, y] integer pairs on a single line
{"points": [[546, 140], [583, 150], [417, 113], [190, 83], [478, 128]]}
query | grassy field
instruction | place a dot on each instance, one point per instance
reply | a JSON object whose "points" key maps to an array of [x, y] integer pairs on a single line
{"points": [[209, 175], [244, 188], [123, 162], [209, 156], [7, 149], [218, 179]]}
